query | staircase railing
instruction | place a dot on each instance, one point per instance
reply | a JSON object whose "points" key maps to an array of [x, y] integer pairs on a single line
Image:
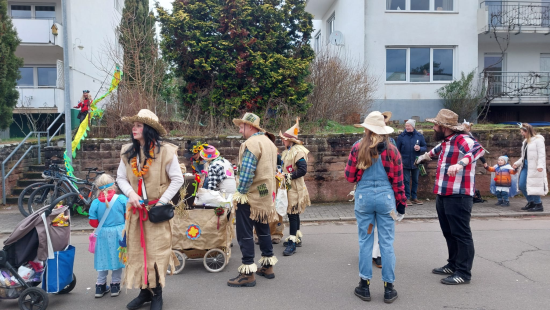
{"points": [[6, 175], [50, 127]]}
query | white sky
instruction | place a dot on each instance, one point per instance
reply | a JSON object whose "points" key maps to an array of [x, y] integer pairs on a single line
{"points": [[167, 4]]}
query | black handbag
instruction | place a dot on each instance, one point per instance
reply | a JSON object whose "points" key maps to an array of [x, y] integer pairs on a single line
{"points": [[157, 214]]}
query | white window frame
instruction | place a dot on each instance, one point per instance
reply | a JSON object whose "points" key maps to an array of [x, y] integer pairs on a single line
{"points": [[33, 9], [431, 9], [331, 25], [317, 42], [408, 64], [35, 76]]}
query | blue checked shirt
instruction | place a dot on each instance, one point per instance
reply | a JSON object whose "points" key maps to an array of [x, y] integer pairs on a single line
{"points": [[247, 169]]}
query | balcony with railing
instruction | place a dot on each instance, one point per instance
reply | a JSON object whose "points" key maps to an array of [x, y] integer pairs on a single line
{"points": [[514, 16], [40, 98], [518, 87], [39, 31]]}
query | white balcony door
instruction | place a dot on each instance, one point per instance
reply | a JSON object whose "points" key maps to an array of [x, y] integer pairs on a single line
{"points": [[494, 65]]}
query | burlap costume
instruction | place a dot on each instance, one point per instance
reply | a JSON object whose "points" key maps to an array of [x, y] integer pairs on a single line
{"points": [[262, 192], [158, 237], [298, 196]]}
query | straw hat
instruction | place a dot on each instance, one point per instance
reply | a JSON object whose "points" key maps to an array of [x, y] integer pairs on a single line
{"points": [[250, 119], [210, 153], [375, 123], [447, 118], [292, 134], [387, 116], [147, 117]]}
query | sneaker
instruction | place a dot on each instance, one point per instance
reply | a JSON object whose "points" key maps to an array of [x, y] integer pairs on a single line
{"points": [[115, 289], [416, 201], [454, 280], [377, 261], [101, 290], [242, 280], [298, 242], [445, 270], [390, 294], [290, 248], [537, 207], [362, 291], [505, 204], [498, 203], [267, 272], [528, 206]]}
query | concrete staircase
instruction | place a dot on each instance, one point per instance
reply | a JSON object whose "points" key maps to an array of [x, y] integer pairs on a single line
{"points": [[31, 176]]}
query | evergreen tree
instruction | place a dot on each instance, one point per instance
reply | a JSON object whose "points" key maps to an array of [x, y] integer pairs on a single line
{"points": [[237, 55], [137, 38], [9, 67]]}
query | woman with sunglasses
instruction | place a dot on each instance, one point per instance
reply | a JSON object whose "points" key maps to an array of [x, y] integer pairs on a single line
{"points": [[533, 182]]}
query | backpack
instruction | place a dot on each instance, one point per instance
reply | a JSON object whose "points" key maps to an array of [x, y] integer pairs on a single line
{"points": [[477, 197]]}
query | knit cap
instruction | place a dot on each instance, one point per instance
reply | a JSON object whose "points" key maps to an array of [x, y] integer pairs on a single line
{"points": [[504, 157], [411, 122]]}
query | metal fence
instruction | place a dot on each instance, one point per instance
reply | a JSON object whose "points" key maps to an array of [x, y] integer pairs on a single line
{"points": [[517, 84], [518, 13]]}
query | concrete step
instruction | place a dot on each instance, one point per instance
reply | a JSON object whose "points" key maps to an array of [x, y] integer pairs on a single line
{"points": [[37, 168], [12, 200], [26, 182], [32, 175]]}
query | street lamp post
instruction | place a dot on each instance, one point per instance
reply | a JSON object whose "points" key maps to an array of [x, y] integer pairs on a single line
{"points": [[67, 82]]}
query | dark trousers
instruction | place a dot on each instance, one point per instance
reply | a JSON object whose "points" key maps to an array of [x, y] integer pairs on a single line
{"points": [[245, 227], [502, 196], [294, 223], [408, 176], [82, 115], [454, 214]]}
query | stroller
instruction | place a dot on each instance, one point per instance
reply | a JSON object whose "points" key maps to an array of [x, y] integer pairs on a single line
{"points": [[38, 251]]}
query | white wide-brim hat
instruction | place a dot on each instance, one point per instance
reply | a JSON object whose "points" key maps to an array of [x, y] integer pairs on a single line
{"points": [[375, 123]]}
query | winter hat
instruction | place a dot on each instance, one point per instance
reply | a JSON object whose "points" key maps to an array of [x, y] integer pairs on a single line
{"points": [[210, 153], [504, 157], [411, 122], [292, 133]]}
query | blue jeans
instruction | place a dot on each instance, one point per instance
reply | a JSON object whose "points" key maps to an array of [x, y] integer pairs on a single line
{"points": [[523, 185], [502, 196], [410, 191], [373, 209], [116, 275]]}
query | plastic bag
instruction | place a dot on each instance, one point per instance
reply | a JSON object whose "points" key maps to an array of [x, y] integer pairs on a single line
{"points": [[206, 197], [281, 202], [25, 273]]}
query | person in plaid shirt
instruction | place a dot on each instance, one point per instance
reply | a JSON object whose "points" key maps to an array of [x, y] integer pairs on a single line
{"points": [[220, 176], [375, 165], [454, 186]]}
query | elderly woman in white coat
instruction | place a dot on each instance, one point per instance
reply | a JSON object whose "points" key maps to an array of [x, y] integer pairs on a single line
{"points": [[533, 182]]}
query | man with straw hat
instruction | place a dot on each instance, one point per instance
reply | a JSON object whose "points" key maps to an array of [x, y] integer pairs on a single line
{"points": [[294, 165], [255, 200], [454, 186]]}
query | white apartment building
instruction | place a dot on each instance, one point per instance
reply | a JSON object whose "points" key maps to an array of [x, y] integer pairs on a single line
{"points": [[415, 47], [39, 25]]}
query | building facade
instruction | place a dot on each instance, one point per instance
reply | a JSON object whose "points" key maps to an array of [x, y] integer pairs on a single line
{"points": [[415, 47], [39, 26]]}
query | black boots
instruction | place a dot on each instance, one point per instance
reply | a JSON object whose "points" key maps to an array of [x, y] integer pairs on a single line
{"points": [[156, 299], [537, 207], [528, 206], [362, 291], [390, 294], [143, 297]]}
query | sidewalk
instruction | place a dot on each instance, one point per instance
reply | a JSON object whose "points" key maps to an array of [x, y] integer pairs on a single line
{"points": [[10, 216]]}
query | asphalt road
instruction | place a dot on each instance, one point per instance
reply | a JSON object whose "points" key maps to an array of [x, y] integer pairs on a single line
{"points": [[510, 272]]}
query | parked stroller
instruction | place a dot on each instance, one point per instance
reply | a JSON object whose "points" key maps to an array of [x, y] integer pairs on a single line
{"points": [[39, 251]]}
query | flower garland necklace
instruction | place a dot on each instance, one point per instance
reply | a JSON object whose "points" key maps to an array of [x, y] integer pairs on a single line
{"points": [[145, 168]]}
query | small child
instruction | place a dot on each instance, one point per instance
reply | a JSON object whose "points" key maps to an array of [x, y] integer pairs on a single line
{"points": [[503, 180], [107, 243]]}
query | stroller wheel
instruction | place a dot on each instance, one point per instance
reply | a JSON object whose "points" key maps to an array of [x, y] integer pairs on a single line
{"points": [[181, 258], [69, 287], [33, 298], [215, 260]]}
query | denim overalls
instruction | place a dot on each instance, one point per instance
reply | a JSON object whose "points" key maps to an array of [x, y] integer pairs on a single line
{"points": [[374, 204]]}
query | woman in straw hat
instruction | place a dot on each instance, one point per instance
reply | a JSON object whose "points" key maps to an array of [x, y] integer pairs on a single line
{"points": [[375, 165], [255, 200], [294, 165], [221, 176], [108, 235], [148, 165]]}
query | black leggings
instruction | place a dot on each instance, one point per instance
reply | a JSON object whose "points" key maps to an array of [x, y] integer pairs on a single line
{"points": [[294, 222]]}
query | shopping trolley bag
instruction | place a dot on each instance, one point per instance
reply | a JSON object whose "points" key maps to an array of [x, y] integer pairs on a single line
{"points": [[59, 265]]}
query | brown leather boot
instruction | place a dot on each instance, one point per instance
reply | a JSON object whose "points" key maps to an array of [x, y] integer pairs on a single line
{"points": [[243, 280], [416, 201], [266, 271]]}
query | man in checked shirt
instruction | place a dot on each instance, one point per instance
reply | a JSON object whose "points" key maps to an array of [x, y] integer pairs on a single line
{"points": [[454, 186]]}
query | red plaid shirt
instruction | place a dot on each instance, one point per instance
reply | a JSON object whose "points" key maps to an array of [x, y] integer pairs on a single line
{"points": [[453, 149], [391, 160]]}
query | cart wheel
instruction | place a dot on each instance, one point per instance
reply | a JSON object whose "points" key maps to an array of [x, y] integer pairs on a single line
{"points": [[69, 287], [215, 260], [181, 258], [33, 298]]}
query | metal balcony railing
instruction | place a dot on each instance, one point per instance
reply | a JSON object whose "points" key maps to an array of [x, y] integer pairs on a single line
{"points": [[512, 14], [517, 84]]}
